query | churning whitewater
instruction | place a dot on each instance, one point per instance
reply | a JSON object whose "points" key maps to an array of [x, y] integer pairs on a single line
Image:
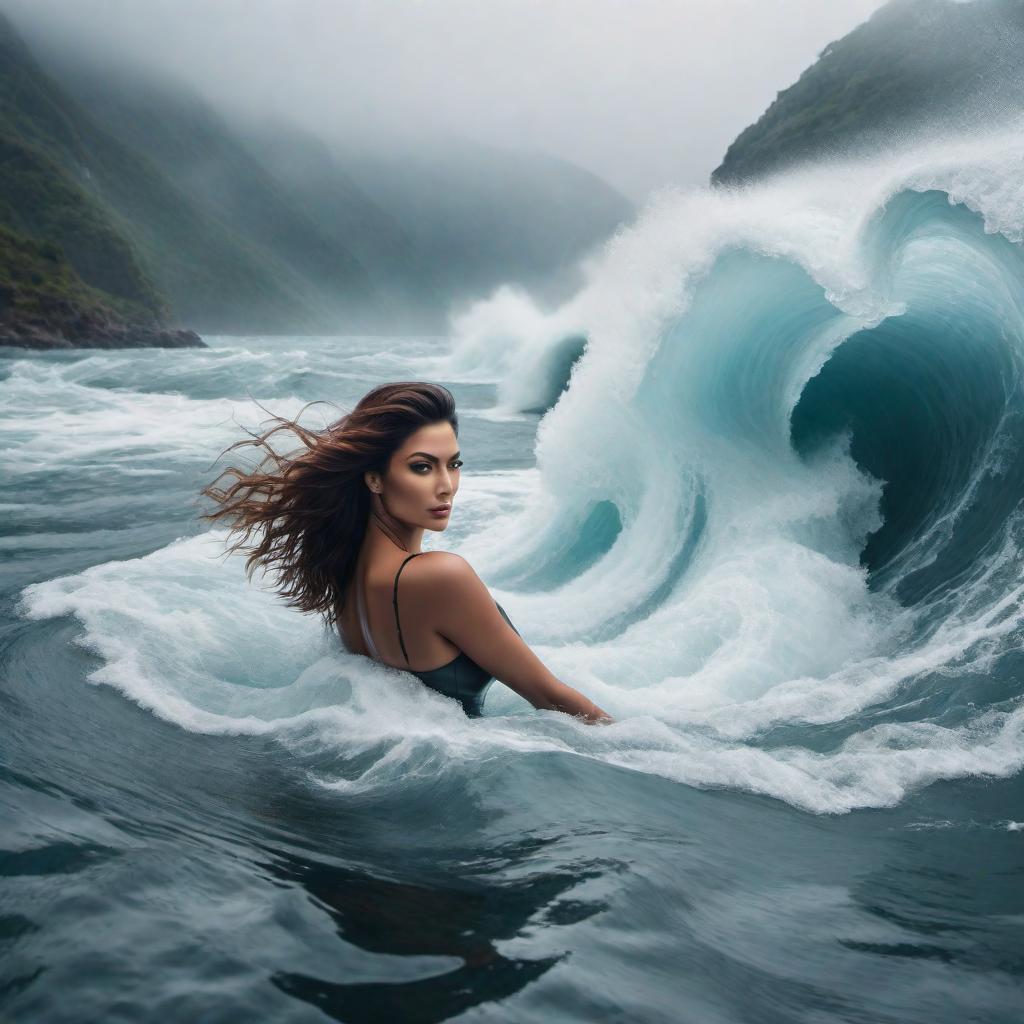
{"points": [[773, 523]]}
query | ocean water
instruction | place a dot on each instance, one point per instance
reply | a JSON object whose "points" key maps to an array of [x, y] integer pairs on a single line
{"points": [[756, 489]]}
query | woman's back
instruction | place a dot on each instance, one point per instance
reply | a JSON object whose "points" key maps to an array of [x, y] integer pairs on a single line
{"points": [[457, 676], [375, 633]]}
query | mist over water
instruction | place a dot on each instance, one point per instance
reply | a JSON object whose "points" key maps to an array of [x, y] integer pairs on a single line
{"points": [[755, 489]]}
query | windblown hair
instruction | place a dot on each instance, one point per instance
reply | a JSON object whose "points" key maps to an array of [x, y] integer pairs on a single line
{"points": [[303, 516]]}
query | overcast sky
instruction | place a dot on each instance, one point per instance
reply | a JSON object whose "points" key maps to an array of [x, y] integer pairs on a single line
{"points": [[642, 92]]}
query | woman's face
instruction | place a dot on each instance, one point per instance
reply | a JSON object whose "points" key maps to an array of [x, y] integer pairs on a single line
{"points": [[423, 475]]}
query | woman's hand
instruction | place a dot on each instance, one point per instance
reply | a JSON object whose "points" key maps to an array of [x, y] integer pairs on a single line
{"points": [[560, 696]]}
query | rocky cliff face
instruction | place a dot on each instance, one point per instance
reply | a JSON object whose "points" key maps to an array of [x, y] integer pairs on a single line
{"points": [[45, 304], [915, 69]]}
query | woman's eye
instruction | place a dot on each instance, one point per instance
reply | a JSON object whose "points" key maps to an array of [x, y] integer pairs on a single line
{"points": [[457, 464]]}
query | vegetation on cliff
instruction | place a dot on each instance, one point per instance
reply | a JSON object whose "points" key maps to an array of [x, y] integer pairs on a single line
{"points": [[915, 68], [44, 303]]}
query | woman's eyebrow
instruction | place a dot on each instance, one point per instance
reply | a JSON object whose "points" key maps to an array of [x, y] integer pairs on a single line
{"points": [[433, 458]]}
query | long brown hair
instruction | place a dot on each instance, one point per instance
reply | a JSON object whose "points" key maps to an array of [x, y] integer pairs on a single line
{"points": [[304, 515]]}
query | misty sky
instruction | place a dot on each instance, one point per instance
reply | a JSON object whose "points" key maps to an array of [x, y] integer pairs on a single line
{"points": [[642, 92]]}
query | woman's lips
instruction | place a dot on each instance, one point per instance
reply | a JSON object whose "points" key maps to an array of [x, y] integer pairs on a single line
{"points": [[441, 511]]}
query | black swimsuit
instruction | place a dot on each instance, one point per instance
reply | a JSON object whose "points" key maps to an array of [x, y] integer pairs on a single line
{"points": [[461, 678]]}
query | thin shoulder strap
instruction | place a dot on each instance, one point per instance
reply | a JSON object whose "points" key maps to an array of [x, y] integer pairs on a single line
{"points": [[394, 601], [364, 623]]}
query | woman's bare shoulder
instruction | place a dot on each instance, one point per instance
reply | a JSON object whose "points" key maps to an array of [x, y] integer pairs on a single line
{"points": [[443, 569]]}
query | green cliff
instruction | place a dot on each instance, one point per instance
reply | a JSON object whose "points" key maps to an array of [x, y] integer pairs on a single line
{"points": [[69, 273], [915, 69]]}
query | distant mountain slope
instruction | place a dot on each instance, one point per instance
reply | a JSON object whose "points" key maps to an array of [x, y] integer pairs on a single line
{"points": [[481, 215], [319, 186], [265, 228], [427, 229], [450, 224], [913, 66], [210, 165]]}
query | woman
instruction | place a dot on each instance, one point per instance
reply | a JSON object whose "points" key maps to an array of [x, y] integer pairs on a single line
{"points": [[341, 524]]}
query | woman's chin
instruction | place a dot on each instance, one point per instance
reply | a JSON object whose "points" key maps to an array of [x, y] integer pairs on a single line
{"points": [[438, 525]]}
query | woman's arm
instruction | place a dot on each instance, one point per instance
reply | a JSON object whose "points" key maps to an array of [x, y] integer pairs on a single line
{"points": [[461, 608]]}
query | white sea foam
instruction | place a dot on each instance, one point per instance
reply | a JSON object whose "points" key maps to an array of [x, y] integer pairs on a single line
{"points": [[181, 633]]}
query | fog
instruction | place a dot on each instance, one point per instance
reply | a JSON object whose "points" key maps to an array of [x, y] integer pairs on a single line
{"points": [[643, 93]]}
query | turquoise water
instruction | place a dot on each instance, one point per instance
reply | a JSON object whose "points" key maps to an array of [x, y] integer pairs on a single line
{"points": [[756, 490]]}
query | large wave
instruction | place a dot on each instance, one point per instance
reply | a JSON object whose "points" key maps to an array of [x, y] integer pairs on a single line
{"points": [[774, 524]]}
